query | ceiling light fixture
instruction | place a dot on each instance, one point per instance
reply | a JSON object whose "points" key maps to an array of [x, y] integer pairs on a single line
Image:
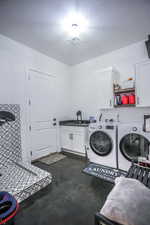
{"points": [[75, 24], [74, 30]]}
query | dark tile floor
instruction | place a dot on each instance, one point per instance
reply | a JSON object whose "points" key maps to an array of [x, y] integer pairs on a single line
{"points": [[71, 199]]}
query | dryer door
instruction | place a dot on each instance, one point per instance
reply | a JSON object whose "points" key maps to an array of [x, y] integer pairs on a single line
{"points": [[134, 145], [101, 143]]}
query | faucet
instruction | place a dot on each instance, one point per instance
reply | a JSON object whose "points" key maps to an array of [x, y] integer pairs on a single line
{"points": [[79, 116]]}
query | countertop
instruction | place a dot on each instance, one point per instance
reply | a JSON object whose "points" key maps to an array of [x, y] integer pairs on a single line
{"points": [[76, 123]]}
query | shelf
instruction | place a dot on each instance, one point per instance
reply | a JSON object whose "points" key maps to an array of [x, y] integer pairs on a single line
{"points": [[126, 90], [123, 105]]}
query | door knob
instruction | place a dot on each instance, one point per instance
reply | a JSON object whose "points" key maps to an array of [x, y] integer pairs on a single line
{"points": [[54, 124]]}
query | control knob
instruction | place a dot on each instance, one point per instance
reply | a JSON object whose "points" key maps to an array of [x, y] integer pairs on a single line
{"points": [[134, 129]]}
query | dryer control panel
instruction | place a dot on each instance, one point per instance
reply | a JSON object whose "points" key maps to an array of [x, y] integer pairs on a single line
{"points": [[109, 127]]}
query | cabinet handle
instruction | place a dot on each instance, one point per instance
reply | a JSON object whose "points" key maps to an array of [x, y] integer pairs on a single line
{"points": [[137, 100], [71, 136], [110, 102]]}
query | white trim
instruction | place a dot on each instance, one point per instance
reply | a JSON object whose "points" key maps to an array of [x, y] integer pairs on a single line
{"points": [[27, 114], [145, 60], [41, 72]]}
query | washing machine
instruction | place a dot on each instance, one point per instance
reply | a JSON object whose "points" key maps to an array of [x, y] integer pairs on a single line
{"points": [[133, 143], [102, 144]]}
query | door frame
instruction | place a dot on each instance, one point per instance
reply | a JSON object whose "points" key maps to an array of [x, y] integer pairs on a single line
{"points": [[28, 155]]}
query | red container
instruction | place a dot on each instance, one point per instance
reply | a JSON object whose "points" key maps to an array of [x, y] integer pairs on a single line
{"points": [[132, 99], [125, 99]]}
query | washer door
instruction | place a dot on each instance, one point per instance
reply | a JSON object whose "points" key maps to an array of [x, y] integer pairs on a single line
{"points": [[134, 145], [101, 143]]}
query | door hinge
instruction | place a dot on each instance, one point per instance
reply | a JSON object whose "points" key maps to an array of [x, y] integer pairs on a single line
{"points": [[29, 102], [31, 153], [30, 128]]}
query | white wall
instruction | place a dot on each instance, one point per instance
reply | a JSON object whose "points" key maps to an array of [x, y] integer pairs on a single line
{"points": [[83, 82], [15, 60], [74, 84]]}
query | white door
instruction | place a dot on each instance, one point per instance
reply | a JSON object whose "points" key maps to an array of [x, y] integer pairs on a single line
{"points": [[143, 84], [42, 115]]}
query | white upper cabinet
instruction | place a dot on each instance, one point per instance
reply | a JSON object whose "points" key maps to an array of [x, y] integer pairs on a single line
{"points": [[143, 84], [105, 79]]}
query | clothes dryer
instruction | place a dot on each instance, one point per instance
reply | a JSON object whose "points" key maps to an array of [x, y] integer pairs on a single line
{"points": [[133, 143]]}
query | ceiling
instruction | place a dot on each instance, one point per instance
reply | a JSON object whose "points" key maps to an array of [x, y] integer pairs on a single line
{"points": [[38, 24]]}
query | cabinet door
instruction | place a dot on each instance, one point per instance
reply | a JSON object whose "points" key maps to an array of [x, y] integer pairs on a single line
{"points": [[103, 89], [78, 143], [143, 84], [66, 139]]}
